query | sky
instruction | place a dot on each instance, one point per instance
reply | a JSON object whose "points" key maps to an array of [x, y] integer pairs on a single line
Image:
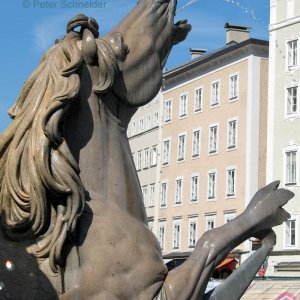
{"points": [[30, 27]]}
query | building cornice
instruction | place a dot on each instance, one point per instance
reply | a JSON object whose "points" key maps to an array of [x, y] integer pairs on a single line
{"points": [[285, 23], [212, 61]]}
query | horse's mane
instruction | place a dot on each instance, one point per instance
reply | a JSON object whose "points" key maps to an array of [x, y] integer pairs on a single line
{"points": [[41, 193]]}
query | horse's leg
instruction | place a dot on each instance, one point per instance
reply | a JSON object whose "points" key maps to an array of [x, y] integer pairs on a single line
{"points": [[236, 284], [263, 212]]}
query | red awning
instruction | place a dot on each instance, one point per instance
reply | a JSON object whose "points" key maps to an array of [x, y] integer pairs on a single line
{"points": [[227, 263]]}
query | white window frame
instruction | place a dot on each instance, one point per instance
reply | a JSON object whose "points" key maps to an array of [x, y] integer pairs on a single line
{"points": [[291, 149], [155, 119], [294, 65], [229, 216], [192, 236], [208, 219], [194, 154], [181, 147], [215, 97], [146, 158], [178, 192], [192, 192], [141, 125], [168, 111], [234, 96], [176, 241], [229, 194], [230, 145], [153, 156], [151, 224], [287, 97], [162, 234], [133, 128], [145, 194], [166, 159], [211, 197], [196, 100], [290, 9], [163, 199], [151, 195], [183, 109], [139, 160], [212, 150], [148, 122], [286, 244]]}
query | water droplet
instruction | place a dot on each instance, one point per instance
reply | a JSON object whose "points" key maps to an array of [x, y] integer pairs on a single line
{"points": [[1, 285]]}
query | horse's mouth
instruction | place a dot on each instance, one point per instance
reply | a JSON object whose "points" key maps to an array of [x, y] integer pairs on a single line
{"points": [[180, 31]]}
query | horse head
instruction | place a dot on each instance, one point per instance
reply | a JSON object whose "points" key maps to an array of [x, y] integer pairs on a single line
{"points": [[148, 34]]}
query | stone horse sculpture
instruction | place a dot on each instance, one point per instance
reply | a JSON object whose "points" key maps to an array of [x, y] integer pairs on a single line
{"points": [[73, 223]]}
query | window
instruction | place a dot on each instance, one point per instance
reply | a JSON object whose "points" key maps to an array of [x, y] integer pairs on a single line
{"points": [[133, 128], [146, 158], [292, 53], [133, 157], [192, 232], [215, 93], [152, 194], [198, 100], [183, 106], [231, 182], [151, 225], [139, 160], [176, 233], [232, 134], [210, 222], [292, 97], [162, 234], [166, 154], [155, 119], [148, 122], [291, 167], [181, 147], [168, 111], [213, 139], [153, 156], [291, 232], [163, 197], [145, 192], [233, 89], [141, 125], [194, 188], [179, 191], [196, 143], [212, 185], [229, 216]]}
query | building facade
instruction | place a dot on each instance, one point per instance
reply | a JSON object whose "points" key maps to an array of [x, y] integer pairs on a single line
{"points": [[283, 151], [213, 141], [143, 133]]}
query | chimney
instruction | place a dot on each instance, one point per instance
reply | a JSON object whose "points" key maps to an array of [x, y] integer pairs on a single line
{"points": [[196, 52], [236, 33]]}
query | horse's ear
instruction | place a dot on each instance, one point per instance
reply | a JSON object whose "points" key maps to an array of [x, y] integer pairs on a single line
{"points": [[89, 48], [116, 41]]}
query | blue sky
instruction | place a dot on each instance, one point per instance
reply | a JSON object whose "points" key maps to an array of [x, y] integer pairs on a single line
{"points": [[30, 27]]}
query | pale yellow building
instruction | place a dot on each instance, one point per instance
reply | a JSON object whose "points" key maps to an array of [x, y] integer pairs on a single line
{"points": [[213, 139]]}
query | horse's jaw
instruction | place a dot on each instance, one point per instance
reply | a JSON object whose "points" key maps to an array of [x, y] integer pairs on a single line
{"points": [[148, 34]]}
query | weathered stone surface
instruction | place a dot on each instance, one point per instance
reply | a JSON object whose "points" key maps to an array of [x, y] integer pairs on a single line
{"points": [[73, 220]]}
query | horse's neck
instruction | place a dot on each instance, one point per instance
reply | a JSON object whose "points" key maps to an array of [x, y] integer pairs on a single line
{"points": [[99, 143]]}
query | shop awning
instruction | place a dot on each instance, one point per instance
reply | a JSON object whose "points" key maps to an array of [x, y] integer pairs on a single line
{"points": [[227, 263]]}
